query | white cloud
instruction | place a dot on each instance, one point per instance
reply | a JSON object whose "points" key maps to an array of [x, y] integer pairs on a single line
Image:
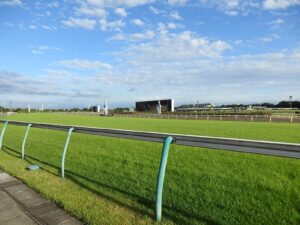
{"points": [[117, 37], [142, 36], [45, 48], [186, 68], [269, 38], [8, 24], [264, 77], [175, 15], [46, 27], [58, 73], [232, 13], [232, 3], [41, 49], [88, 24], [53, 89], [172, 61], [84, 64], [53, 4], [21, 26], [97, 12], [238, 42], [111, 25], [172, 26], [233, 7], [121, 12], [164, 27], [177, 2], [188, 47], [280, 4], [117, 3], [10, 3], [266, 39], [138, 22], [147, 35], [154, 10], [244, 7], [276, 23], [36, 52], [278, 63], [48, 4]]}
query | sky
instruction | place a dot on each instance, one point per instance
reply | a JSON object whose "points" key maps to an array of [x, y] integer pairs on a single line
{"points": [[76, 53]]}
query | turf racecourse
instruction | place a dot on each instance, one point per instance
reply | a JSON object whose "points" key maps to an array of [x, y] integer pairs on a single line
{"points": [[112, 181], [285, 132]]}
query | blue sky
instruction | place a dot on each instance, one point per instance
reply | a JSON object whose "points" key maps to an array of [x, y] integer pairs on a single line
{"points": [[74, 53]]}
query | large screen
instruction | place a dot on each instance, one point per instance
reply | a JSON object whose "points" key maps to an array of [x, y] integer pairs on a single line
{"points": [[167, 105]]}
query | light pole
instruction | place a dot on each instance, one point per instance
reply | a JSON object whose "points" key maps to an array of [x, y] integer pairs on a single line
{"points": [[291, 98]]}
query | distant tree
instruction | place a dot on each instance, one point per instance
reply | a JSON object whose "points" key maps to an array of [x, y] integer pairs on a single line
{"points": [[74, 110], [18, 110], [268, 105], [286, 104], [116, 110]]}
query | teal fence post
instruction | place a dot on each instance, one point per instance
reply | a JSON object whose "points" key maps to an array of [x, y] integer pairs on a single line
{"points": [[2, 133], [24, 141], [65, 152], [161, 176]]}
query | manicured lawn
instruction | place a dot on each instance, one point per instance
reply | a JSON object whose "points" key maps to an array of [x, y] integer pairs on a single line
{"points": [[284, 132], [112, 181]]}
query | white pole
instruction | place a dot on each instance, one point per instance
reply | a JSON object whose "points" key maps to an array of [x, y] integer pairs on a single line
{"points": [[105, 107]]}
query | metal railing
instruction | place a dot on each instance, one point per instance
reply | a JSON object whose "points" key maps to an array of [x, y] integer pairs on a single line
{"points": [[232, 144], [248, 118]]}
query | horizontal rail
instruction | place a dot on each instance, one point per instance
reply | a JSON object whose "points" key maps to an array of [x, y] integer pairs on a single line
{"points": [[249, 118], [240, 145]]}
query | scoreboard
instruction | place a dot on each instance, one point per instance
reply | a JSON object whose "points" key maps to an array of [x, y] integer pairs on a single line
{"points": [[164, 105]]}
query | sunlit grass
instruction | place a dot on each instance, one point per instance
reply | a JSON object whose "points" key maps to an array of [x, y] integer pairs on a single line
{"points": [[284, 132], [112, 181]]}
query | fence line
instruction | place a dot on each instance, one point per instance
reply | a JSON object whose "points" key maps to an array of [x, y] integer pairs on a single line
{"points": [[232, 144], [249, 118]]}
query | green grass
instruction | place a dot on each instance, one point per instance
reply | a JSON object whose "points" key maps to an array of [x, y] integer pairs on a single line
{"points": [[112, 181], [284, 132]]}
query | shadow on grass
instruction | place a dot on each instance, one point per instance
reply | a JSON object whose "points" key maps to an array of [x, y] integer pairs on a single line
{"points": [[177, 215]]}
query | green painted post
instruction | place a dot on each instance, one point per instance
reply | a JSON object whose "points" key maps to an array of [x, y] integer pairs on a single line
{"points": [[161, 176], [65, 152], [24, 141], [2, 133]]}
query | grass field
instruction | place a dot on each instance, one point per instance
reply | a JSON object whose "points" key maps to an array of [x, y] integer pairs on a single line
{"points": [[247, 130], [112, 181]]}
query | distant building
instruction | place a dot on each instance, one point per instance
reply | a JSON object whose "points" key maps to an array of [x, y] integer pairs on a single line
{"points": [[96, 108], [159, 106], [195, 107]]}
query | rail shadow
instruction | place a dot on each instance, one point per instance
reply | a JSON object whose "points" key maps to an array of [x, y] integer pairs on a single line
{"points": [[171, 213]]}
